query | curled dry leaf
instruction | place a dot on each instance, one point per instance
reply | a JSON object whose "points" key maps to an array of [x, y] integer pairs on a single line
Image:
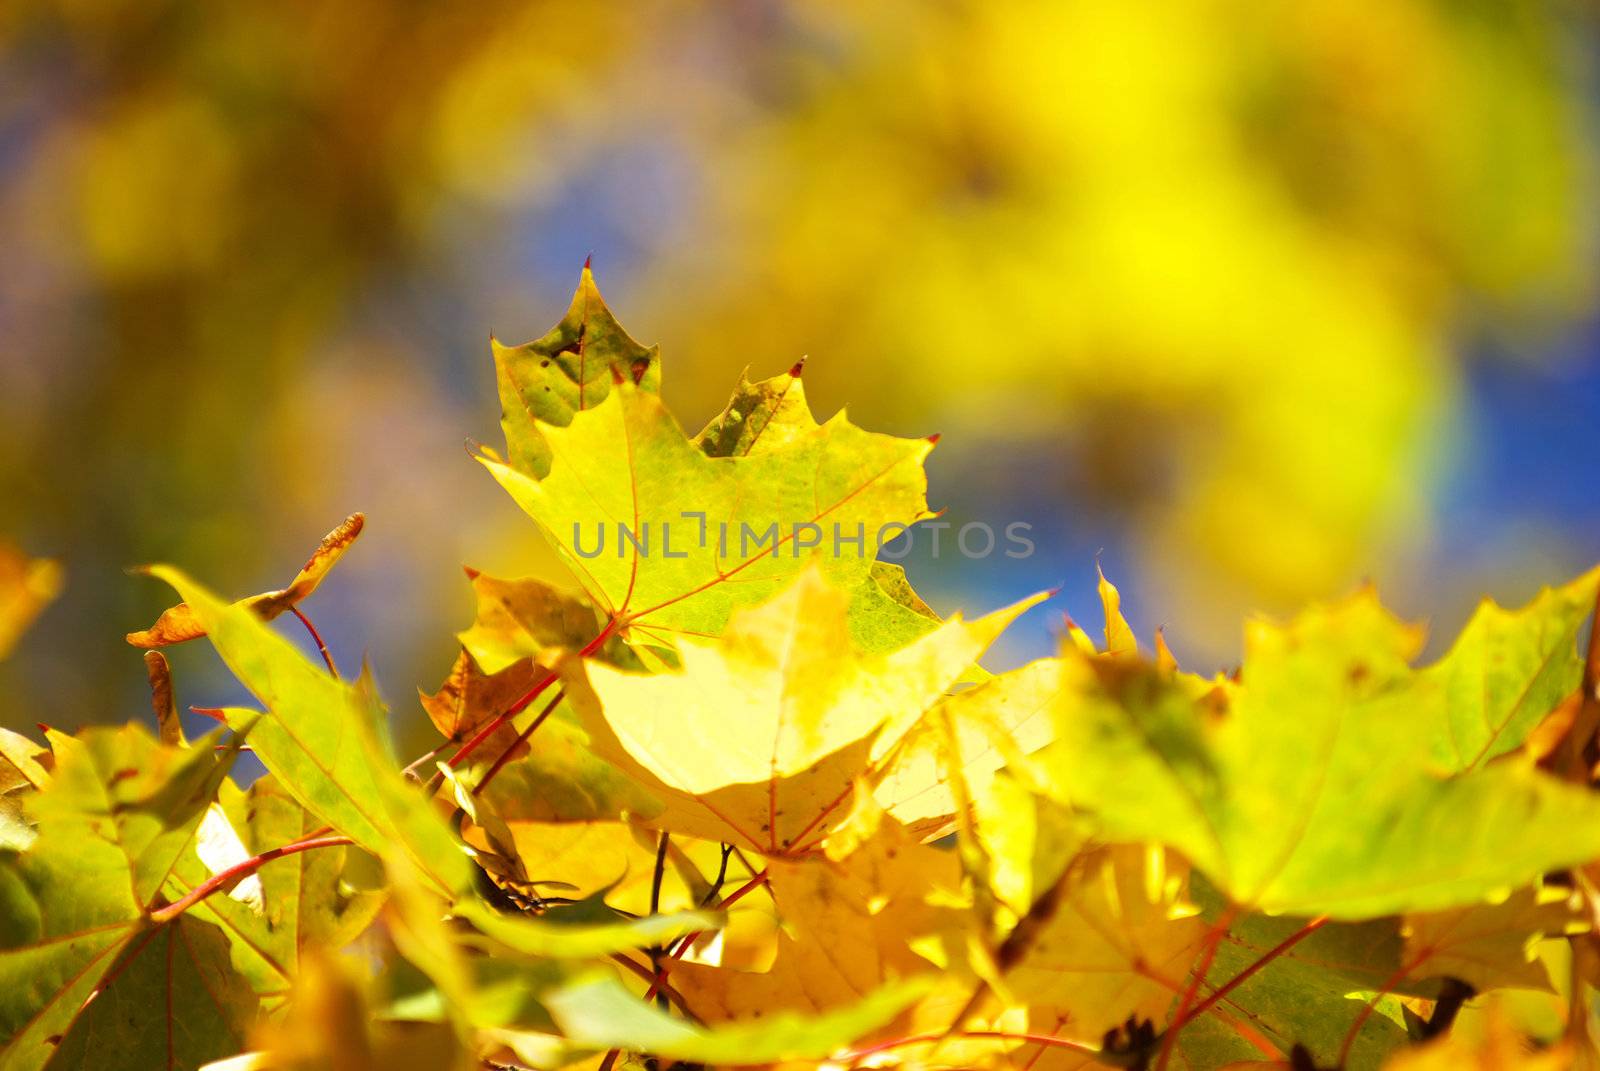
{"points": [[179, 623]]}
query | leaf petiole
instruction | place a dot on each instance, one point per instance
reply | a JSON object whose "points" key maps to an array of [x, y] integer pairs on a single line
{"points": [[227, 878]]}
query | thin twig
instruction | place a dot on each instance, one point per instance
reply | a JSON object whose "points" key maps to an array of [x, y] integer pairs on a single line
{"points": [[655, 906], [522, 738], [227, 878], [316, 636], [411, 771], [722, 877], [1203, 968], [644, 974]]}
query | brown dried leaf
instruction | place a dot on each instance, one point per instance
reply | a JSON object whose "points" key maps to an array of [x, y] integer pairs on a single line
{"points": [[469, 696], [162, 698], [178, 623]]}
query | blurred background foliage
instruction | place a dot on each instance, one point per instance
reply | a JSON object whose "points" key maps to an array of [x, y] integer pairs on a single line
{"points": [[1247, 300]]}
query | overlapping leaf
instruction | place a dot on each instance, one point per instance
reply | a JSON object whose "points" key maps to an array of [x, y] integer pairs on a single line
{"points": [[118, 814], [1505, 672], [852, 923], [1307, 789], [521, 619], [298, 902], [22, 773], [327, 740], [570, 370], [1116, 948], [759, 737], [707, 535]]}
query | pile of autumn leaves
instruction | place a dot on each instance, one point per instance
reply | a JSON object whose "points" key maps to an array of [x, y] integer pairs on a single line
{"points": [[772, 811]]}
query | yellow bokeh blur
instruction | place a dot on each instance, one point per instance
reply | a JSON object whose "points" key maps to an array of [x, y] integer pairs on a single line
{"points": [[1203, 281]]}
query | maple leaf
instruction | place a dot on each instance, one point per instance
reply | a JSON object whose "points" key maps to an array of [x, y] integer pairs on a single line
{"points": [[23, 771], [1281, 864], [172, 999], [1505, 672], [991, 721], [571, 369], [1491, 946], [772, 414], [1499, 1050], [1115, 948], [301, 901], [762, 732], [523, 618], [26, 586], [326, 739], [727, 531], [180, 623], [1300, 982], [598, 1013], [1310, 792], [469, 697], [116, 816], [852, 922]]}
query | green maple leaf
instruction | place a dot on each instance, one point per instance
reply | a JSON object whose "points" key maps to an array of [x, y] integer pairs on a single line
{"points": [[171, 1000], [627, 461], [1308, 787], [571, 369], [769, 416], [117, 816], [301, 900], [599, 1013], [588, 442], [325, 738], [1311, 993], [1505, 672], [1307, 995]]}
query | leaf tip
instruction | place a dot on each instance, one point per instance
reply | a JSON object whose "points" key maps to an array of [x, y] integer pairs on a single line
{"points": [[798, 367]]}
